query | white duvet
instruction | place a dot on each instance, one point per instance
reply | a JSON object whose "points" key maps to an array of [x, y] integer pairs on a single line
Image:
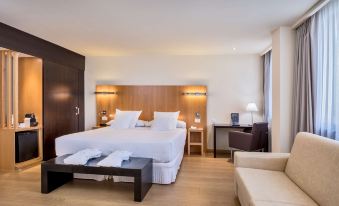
{"points": [[161, 146]]}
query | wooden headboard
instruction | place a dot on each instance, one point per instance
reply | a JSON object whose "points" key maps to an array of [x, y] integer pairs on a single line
{"points": [[154, 98]]}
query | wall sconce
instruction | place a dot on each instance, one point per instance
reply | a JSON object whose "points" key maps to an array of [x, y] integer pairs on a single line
{"points": [[103, 115], [105, 92], [195, 93], [197, 117]]}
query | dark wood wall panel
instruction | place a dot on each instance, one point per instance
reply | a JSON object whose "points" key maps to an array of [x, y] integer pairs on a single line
{"points": [[17, 40]]}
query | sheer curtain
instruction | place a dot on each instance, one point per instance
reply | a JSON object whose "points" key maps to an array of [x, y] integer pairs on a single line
{"points": [[302, 115], [325, 57], [267, 58]]}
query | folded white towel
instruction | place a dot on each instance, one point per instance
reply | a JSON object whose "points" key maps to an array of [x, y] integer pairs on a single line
{"points": [[81, 157], [111, 161], [123, 154], [115, 159]]}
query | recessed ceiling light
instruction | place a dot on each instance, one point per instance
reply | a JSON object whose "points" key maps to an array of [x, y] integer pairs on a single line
{"points": [[234, 48]]}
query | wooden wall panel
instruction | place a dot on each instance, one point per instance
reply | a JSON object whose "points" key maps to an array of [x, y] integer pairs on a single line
{"points": [[30, 88], [8, 91], [7, 149], [2, 98], [154, 98]]}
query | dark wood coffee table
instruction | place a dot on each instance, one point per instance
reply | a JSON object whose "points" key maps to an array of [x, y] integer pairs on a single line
{"points": [[54, 173]]}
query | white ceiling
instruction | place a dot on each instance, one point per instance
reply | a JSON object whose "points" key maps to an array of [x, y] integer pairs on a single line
{"points": [[134, 27]]}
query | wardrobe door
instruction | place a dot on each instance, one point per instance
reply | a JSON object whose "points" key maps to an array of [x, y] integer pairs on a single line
{"points": [[81, 100], [61, 104]]}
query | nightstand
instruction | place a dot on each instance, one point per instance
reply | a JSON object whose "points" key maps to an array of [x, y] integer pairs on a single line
{"points": [[98, 126], [195, 133]]}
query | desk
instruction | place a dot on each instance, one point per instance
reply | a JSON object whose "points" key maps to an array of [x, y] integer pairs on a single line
{"points": [[245, 127]]}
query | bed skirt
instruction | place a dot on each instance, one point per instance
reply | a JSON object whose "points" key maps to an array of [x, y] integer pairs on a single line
{"points": [[163, 173]]}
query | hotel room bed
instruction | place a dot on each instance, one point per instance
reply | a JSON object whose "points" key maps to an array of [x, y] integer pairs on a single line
{"points": [[166, 148]]}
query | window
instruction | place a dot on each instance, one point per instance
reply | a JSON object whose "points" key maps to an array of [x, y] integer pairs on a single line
{"points": [[325, 61]]}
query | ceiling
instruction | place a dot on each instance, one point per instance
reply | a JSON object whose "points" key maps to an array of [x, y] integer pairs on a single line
{"points": [[135, 27]]}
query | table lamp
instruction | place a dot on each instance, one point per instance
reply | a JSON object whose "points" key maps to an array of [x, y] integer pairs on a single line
{"points": [[252, 107]]}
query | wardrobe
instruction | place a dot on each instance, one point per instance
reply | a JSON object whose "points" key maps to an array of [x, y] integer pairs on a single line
{"points": [[63, 103], [62, 85]]}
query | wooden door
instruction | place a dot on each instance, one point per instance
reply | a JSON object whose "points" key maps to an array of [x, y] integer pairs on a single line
{"points": [[61, 103]]}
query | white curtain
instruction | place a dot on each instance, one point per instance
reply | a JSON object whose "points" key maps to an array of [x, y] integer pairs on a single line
{"points": [[325, 57], [267, 62], [268, 86]]}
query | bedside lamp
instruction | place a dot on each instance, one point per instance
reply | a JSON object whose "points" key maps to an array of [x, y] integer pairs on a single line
{"points": [[252, 107]]}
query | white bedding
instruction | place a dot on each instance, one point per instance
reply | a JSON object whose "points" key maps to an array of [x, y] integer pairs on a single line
{"points": [[162, 146]]}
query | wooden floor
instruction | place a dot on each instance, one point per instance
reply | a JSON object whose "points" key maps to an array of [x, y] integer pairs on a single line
{"points": [[201, 181]]}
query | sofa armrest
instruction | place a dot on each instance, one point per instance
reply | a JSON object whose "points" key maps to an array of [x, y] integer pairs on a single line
{"points": [[260, 160]]}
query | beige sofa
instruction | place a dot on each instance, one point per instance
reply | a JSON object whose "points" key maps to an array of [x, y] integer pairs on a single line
{"points": [[308, 176]]}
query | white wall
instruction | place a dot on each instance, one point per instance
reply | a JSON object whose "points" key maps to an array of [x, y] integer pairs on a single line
{"points": [[232, 81], [283, 45]]}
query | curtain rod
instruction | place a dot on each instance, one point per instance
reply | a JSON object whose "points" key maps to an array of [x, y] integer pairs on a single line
{"points": [[314, 9]]}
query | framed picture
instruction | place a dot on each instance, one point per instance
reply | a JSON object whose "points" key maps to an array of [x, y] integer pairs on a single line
{"points": [[235, 118]]}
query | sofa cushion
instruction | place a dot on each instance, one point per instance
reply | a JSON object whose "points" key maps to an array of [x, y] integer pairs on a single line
{"points": [[265, 187], [314, 166]]}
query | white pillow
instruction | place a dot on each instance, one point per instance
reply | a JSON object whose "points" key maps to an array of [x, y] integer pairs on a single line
{"points": [[122, 121], [148, 124], [164, 123], [181, 124], [167, 114], [141, 123], [134, 120], [110, 122]]}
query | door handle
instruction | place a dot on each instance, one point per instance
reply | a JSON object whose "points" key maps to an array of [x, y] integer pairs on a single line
{"points": [[77, 110]]}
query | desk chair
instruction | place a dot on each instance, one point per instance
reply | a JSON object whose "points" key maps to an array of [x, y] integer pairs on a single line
{"points": [[257, 140]]}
